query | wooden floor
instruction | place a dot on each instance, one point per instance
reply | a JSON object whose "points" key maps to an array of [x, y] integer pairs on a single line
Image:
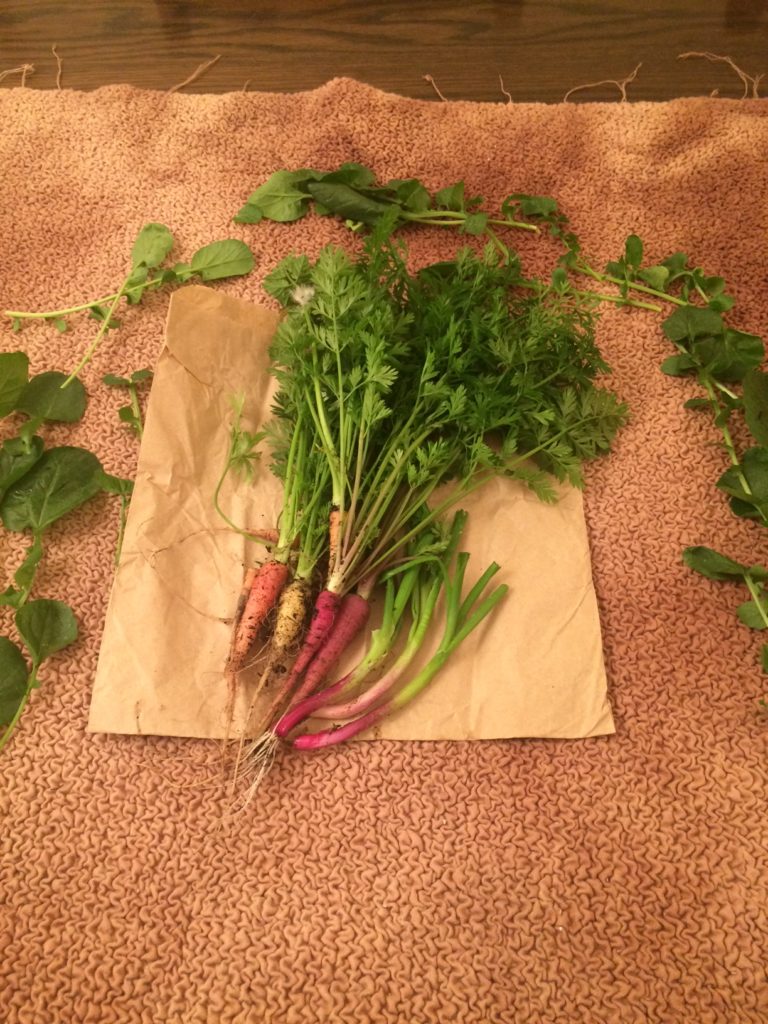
{"points": [[526, 51]]}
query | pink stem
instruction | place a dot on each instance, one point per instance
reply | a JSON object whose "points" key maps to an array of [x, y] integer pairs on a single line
{"points": [[298, 712], [330, 737]]}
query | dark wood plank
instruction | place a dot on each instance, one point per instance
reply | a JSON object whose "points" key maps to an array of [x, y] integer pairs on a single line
{"points": [[540, 49]]}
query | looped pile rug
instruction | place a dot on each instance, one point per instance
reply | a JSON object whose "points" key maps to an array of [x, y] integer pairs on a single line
{"points": [[614, 880]]}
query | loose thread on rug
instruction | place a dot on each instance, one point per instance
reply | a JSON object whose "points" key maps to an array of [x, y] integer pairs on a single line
{"points": [[59, 65], [246, 83], [433, 83], [504, 91], [621, 84], [22, 69], [748, 81], [196, 74]]}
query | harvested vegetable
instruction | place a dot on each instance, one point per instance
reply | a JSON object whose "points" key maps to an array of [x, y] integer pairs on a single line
{"points": [[405, 382]]}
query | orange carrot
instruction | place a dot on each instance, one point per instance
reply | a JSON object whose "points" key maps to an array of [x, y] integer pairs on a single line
{"points": [[334, 536], [265, 591]]}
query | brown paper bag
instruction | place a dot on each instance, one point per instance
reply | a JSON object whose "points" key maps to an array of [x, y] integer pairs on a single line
{"points": [[533, 668]]}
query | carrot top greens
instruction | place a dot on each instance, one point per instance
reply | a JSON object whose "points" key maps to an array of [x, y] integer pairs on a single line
{"points": [[452, 375]]}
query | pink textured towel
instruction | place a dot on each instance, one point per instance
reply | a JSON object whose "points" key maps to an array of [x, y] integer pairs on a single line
{"points": [[610, 881]]}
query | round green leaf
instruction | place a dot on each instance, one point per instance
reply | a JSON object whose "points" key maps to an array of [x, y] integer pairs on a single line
{"points": [[14, 371], [17, 458], [751, 615], [44, 398], [46, 626], [13, 679], [712, 564], [152, 245], [689, 322], [678, 366], [228, 258], [60, 480]]}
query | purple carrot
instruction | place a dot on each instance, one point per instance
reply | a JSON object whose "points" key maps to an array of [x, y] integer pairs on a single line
{"points": [[352, 616], [323, 618]]}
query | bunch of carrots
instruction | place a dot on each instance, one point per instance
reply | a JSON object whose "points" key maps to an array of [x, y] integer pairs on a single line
{"points": [[392, 384]]}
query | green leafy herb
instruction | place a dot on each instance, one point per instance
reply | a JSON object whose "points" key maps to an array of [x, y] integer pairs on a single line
{"points": [[230, 258], [17, 457], [130, 414], [61, 480], [715, 566], [351, 193], [44, 398], [755, 399], [123, 489], [14, 373], [241, 459], [46, 627], [13, 680], [153, 246]]}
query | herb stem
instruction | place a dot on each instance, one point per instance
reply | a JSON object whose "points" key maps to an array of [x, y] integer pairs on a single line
{"points": [[584, 268], [136, 410], [99, 335], [56, 313], [755, 595], [31, 681], [721, 420], [121, 527], [449, 218]]}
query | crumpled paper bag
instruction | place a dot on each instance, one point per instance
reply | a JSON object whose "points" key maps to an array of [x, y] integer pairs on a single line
{"points": [[534, 668]]}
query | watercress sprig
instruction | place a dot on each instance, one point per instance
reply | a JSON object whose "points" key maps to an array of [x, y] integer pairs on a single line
{"points": [[727, 365], [38, 486], [130, 414], [352, 193], [148, 271], [716, 566]]}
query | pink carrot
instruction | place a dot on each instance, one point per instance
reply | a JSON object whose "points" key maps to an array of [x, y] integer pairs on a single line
{"points": [[352, 616]]}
